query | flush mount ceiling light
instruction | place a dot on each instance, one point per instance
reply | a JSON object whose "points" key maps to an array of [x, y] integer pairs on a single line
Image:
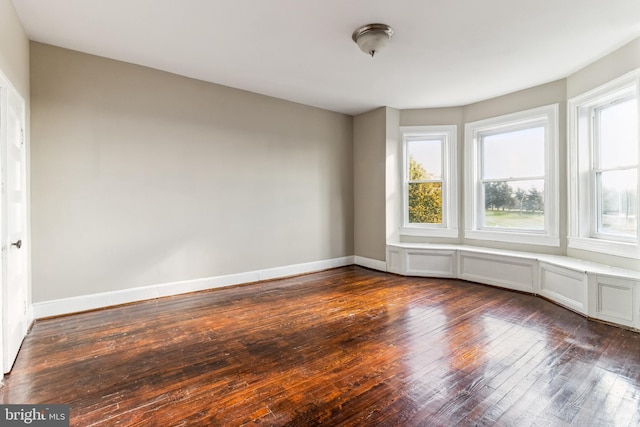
{"points": [[371, 38]]}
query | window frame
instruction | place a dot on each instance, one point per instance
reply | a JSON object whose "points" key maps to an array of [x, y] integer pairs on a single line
{"points": [[584, 201], [448, 135], [546, 116]]}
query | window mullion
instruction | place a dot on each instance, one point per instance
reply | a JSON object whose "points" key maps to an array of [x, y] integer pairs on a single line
{"points": [[425, 181], [511, 179], [616, 169]]}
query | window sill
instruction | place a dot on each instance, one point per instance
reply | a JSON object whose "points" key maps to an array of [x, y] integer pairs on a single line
{"points": [[622, 249], [429, 232], [513, 237]]}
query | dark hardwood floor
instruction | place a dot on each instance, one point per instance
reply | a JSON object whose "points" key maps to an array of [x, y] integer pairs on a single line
{"points": [[348, 346]]}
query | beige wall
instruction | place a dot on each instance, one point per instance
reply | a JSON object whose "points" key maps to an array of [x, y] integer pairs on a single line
{"points": [[432, 117], [377, 192], [14, 49], [619, 62], [369, 181], [550, 93], [141, 177]]}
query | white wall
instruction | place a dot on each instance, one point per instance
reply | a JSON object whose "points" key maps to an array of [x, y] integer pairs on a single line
{"points": [[141, 177]]}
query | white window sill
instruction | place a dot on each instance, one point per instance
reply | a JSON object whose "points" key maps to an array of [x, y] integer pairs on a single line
{"points": [[429, 232], [627, 250], [513, 237]]}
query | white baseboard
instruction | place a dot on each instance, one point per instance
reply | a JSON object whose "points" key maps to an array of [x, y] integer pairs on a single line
{"points": [[106, 299], [371, 263]]}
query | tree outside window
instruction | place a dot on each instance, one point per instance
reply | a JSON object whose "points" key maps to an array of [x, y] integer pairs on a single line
{"points": [[425, 187]]}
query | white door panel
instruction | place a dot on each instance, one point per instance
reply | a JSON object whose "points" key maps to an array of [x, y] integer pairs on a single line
{"points": [[14, 242]]}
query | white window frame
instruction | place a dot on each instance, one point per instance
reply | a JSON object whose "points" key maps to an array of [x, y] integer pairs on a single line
{"points": [[583, 214], [448, 135], [546, 116]]}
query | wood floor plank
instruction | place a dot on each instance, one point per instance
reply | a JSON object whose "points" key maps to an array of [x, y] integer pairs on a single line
{"points": [[343, 347]]}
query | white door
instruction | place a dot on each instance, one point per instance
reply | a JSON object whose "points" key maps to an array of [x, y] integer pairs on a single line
{"points": [[14, 243]]}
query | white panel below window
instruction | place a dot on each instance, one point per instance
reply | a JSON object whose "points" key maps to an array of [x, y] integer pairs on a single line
{"points": [[564, 286], [431, 263], [394, 261], [614, 300], [507, 272]]}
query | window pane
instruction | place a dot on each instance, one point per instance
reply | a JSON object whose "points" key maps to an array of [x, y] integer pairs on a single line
{"points": [[425, 159], [514, 205], [425, 203], [618, 136], [513, 154], [617, 191]]}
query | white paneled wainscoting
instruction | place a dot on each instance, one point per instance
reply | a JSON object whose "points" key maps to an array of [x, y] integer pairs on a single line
{"points": [[594, 290]]}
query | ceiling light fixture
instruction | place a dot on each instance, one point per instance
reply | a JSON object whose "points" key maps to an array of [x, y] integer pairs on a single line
{"points": [[371, 38]]}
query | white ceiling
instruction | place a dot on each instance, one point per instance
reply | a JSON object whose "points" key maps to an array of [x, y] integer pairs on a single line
{"points": [[443, 52]]}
